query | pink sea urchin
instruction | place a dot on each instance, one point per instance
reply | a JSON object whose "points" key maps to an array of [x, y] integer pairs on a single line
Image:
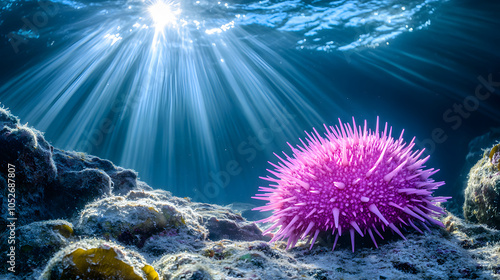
{"points": [[354, 180]]}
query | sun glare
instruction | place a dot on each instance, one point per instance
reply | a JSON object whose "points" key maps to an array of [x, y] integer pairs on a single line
{"points": [[161, 79], [163, 14]]}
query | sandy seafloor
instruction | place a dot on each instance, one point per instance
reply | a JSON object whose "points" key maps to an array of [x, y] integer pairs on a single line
{"points": [[82, 217]]}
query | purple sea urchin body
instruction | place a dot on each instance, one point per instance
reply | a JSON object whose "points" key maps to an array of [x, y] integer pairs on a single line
{"points": [[355, 180]]}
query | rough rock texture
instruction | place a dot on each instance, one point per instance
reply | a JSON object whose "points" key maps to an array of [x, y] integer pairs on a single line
{"points": [[482, 195], [25, 151], [125, 230], [38, 241], [478, 144], [52, 183], [134, 218], [98, 259], [224, 224], [481, 243], [83, 187], [436, 255], [476, 149]]}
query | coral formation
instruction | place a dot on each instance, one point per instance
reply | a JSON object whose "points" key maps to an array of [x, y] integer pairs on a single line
{"points": [[98, 259], [134, 218], [482, 195], [82, 187], [27, 150], [54, 183], [148, 219], [477, 145], [224, 224], [495, 156], [353, 180], [38, 241], [185, 266], [475, 152]]}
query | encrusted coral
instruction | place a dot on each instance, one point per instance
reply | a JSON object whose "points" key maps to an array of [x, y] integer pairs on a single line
{"points": [[184, 266], [25, 148], [98, 259], [134, 218], [482, 195], [223, 223], [51, 183], [84, 186], [495, 156], [30, 157], [38, 241]]}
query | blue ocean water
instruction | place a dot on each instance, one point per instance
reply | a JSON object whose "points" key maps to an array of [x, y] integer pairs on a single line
{"points": [[197, 95]]}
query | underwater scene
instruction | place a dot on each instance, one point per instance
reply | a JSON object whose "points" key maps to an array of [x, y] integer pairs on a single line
{"points": [[246, 139]]}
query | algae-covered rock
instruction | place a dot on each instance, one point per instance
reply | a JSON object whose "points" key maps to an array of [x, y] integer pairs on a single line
{"points": [[38, 241], [476, 146], [124, 181], [98, 259], [134, 218], [228, 259], [184, 266], [26, 164], [81, 188], [482, 195], [50, 183], [475, 152], [495, 156], [223, 223], [195, 272], [25, 148]]}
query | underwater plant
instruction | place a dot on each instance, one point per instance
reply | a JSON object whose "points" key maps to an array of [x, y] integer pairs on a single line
{"points": [[353, 179]]}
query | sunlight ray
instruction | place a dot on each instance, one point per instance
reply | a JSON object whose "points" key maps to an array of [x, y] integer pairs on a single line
{"points": [[135, 87]]}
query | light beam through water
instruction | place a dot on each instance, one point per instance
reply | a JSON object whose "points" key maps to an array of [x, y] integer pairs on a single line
{"points": [[151, 85], [164, 13]]}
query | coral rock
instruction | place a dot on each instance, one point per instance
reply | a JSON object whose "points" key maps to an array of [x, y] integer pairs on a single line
{"points": [[97, 259], [80, 188], [482, 195], [223, 223], [37, 242], [134, 218]]}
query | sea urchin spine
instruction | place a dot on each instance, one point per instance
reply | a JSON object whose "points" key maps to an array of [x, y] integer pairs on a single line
{"points": [[354, 180]]}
